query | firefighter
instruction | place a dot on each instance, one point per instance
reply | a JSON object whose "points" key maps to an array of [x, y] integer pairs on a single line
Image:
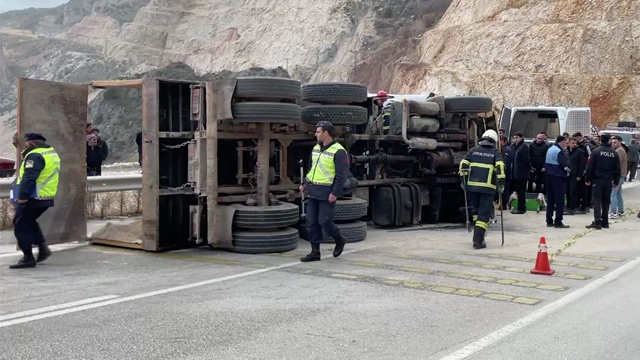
{"points": [[382, 98], [324, 183], [483, 172], [38, 186]]}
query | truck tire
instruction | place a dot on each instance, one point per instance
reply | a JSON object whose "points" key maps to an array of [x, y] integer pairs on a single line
{"points": [[281, 214], [264, 112], [264, 87], [467, 104], [350, 209], [352, 232], [335, 114], [334, 93], [424, 108], [264, 242]]}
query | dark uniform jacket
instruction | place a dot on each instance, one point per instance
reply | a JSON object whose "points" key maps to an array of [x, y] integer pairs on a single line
{"points": [[576, 162], [538, 153], [521, 162], [34, 164], [485, 167], [604, 165], [509, 155]]}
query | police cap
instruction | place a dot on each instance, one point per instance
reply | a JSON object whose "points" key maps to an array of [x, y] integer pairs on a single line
{"points": [[34, 136]]}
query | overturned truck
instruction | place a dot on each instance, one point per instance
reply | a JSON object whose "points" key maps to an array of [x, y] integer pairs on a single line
{"points": [[222, 161]]}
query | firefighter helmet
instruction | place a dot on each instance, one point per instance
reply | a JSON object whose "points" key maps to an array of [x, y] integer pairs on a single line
{"points": [[382, 94], [490, 134]]}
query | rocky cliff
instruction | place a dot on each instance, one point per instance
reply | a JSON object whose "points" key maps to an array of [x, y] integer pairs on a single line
{"points": [[523, 52]]}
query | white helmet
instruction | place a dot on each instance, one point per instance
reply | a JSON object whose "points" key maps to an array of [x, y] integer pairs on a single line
{"points": [[491, 134]]}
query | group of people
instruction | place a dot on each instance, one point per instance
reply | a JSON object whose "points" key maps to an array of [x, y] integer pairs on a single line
{"points": [[97, 151], [583, 169]]}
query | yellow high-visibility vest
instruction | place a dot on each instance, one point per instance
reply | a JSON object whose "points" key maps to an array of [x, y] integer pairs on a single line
{"points": [[47, 182], [323, 168]]}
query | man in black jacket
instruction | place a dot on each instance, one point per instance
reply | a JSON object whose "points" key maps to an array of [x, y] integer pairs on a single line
{"points": [[538, 152], [521, 171], [584, 203], [603, 174], [95, 156], [577, 166]]}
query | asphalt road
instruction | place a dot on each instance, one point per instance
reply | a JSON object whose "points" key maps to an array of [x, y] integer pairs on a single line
{"points": [[416, 293]]}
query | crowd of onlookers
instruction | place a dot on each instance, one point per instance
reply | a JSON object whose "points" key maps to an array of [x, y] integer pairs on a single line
{"points": [[527, 165]]}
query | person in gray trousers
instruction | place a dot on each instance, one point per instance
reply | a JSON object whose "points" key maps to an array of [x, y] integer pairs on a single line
{"points": [[632, 158]]}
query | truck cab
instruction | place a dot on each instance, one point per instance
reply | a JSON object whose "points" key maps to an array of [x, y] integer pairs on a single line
{"points": [[625, 129], [553, 120]]}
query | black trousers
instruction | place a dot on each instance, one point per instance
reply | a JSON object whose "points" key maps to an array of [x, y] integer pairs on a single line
{"points": [[320, 217], [94, 171], [521, 191], [601, 191], [555, 198], [632, 167], [582, 195], [482, 210], [25, 224], [573, 192], [538, 178]]}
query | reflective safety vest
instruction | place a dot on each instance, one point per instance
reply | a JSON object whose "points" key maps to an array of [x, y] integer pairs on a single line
{"points": [[484, 167], [47, 182], [323, 168]]}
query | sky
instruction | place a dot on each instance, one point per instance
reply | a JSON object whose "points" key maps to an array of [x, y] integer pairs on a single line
{"points": [[6, 5]]}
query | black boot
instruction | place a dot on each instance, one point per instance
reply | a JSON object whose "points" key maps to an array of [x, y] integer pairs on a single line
{"points": [[478, 238], [595, 225], [43, 253], [314, 255], [340, 242], [25, 262], [561, 226]]}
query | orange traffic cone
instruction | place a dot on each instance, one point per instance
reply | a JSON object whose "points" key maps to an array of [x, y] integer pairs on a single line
{"points": [[542, 262]]}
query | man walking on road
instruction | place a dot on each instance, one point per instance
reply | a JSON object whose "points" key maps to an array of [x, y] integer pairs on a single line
{"points": [[603, 174], [324, 183], [38, 186], [556, 169], [483, 173], [617, 204]]}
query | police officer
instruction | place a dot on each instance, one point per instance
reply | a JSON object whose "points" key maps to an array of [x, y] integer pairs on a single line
{"points": [[38, 185], [603, 174], [324, 183], [556, 168], [485, 172]]}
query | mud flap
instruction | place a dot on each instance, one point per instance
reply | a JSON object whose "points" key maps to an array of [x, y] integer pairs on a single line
{"points": [[223, 235], [59, 112]]}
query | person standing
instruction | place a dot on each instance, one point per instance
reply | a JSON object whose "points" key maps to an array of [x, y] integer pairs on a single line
{"points": [[584, 202], [101, 144], [324, 183], [38, 186], [521, 171], [632, 159], [507, 155], [139, 144], [537, 152], [483, 172], [94, 156], [556, 169], [617, 203], [577, 166], [602, 175]]}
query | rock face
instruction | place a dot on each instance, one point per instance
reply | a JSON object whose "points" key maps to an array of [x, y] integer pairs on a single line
{"points": [[564, 52]]}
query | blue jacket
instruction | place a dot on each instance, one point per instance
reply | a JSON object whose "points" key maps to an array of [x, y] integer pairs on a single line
{"points": [[555, 162]]}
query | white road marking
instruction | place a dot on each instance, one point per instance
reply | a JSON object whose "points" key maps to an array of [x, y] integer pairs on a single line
{"points": [[156, 293], [53, 248], [627, 185], [510, 329], [56, 307]]}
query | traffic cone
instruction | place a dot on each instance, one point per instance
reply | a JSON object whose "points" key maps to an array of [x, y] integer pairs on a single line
{"points": [[542, 262]]}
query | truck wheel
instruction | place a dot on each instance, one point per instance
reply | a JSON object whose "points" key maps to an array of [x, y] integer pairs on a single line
{"points": [[264, 87], [336, 114], [467, 104], [281, 214], [334, 93], [352, 232], [350, 209], [263, 112], [263, 242]]}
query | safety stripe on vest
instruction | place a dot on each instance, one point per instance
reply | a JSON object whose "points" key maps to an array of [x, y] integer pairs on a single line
{"points": [[47, 180], [318, 165]]}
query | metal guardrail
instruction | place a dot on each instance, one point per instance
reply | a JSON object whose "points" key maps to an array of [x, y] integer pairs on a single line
{"points": [[95, 184]]}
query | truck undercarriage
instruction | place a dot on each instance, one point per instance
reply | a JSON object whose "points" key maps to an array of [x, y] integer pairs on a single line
{"points": [[221, 159]]}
